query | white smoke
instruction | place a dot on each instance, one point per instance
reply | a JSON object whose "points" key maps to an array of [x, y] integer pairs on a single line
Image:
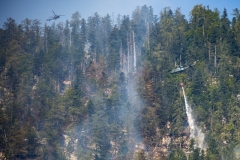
{"points": [[136, 105], [195, 132]]}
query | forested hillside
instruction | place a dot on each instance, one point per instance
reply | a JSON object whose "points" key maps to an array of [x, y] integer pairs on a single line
{"points": [[101, 88]]}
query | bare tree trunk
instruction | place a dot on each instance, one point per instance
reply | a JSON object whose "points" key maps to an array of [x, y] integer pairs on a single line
{"points": [[121, 57], [58, 86], [148, 36], [209, 51], [95, 55], [215, 58], [70, 40], [131, 53], [203, 31], [134, 53], [128, 54], [211, 120], [204, 25], [46, 39]]}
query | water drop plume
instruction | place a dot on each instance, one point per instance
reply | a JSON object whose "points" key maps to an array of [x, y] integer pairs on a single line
{"points": [[195, 132]]}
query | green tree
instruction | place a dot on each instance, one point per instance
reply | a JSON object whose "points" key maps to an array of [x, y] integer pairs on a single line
{"points": [[113, 58]]}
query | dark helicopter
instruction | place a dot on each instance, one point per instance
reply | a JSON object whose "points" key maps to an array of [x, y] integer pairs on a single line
{"points": [[181, 68], [54, 17]]}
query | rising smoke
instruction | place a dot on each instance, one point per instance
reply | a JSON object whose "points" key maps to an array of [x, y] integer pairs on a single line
{"points": [[117, 129]]}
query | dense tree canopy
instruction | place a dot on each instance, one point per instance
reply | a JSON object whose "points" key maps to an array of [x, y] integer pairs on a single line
{"points": [[93, 89]]}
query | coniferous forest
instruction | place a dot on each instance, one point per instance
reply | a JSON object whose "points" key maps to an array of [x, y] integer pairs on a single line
{"points": [[101, 88]]}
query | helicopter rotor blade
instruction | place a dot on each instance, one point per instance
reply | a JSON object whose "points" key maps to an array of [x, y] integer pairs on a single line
{"points": [[53, 12]]}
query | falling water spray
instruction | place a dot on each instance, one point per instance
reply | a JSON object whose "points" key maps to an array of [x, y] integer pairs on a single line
{"points": [[195, 132]]}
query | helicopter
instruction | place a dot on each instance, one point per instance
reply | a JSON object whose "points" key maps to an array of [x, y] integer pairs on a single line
{"points": [[54, 17], [181, 68]]}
